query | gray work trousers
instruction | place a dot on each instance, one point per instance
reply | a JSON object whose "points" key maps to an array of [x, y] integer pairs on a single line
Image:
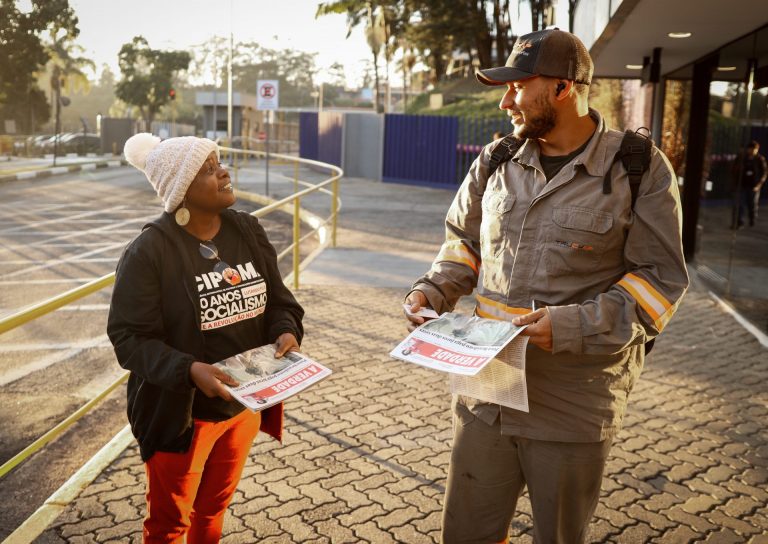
{"points": [[487, 475]]}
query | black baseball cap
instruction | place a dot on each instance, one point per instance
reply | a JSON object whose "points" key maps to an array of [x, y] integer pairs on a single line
{"points": [[552, 52]]}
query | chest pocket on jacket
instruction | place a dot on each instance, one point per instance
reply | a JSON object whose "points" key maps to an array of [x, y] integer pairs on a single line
{"points": [[576, 240], [495, 222]]}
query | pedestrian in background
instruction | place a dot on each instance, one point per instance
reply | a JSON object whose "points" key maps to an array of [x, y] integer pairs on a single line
{"points": [[555, 223], [177, 307], [749, 173]]}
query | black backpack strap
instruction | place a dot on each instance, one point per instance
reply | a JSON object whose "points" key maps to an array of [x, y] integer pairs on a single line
{"points": [[635, 154], [504, 151]]}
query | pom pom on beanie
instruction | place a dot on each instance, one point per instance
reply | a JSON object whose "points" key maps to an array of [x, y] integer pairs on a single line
{"points": [[138, 147], [170, 165]]}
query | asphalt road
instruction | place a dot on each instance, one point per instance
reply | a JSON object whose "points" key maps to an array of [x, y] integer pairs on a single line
{"points": [[56, 234]]}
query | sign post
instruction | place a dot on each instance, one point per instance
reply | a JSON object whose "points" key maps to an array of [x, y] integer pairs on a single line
{"points": [[267, 99]]}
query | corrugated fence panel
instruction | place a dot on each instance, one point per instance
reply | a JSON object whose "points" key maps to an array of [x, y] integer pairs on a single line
{"points": [[329, 134], [308, 135], [474, 134], [420, 149]]}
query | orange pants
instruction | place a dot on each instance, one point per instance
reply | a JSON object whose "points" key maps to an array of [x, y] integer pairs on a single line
{"points": [[188, 493]]}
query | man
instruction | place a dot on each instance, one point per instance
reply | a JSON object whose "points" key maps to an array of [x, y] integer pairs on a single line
{"points": [[609, 274], [749, 171]]}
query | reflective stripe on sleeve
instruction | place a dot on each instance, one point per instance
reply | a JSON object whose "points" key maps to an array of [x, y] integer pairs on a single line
{"points": [[496, 310], [455, 251], [649, 299]]}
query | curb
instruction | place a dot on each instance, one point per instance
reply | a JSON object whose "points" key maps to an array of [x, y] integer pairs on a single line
{"points": [[759, 335], [48, 172]]}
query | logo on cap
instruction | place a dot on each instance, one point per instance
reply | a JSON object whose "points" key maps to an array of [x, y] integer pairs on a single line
{"points": [[521, 46]]}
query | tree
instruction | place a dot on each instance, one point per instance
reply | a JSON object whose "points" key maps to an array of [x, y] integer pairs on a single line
{"points": [[541, 11], [209, 62], [503, 28], [295, 70], [336, 82], [385, 22], [435, 32], [99, 99], [406, 64], [148, 76], [66, 71], [23, 55]]}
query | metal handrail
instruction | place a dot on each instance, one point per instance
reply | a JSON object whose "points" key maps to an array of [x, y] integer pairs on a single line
{"points": [[39, 309], [11, 463], [46, 306]]}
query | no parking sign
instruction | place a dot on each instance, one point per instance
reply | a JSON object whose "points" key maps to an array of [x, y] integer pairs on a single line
{"points": [[267, 93]]}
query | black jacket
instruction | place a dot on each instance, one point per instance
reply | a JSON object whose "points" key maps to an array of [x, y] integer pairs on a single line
{"points": [[154, 326]]}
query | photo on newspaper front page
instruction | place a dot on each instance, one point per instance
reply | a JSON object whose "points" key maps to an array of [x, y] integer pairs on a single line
{"points": [[266, 381], [456, 343]]}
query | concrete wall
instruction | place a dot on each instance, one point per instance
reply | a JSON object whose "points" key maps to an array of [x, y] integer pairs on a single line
{"points": [[114, 133], [363, 145]]}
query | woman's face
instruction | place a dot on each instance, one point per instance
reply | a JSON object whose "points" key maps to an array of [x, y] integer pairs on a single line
{"points": [[211, 190]]}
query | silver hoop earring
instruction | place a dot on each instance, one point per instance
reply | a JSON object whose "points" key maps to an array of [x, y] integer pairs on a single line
{"points": [[182, 214]]}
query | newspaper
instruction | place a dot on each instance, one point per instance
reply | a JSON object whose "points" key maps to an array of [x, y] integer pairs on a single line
{"points": [[502, 381], [456, 343], [266, 381]]}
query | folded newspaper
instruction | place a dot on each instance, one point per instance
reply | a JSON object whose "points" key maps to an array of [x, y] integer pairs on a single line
{"points": [[456, 343], [266, 381]]}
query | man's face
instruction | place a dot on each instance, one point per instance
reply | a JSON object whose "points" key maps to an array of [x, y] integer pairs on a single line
{"points": [[752, 150], [528, 103]]}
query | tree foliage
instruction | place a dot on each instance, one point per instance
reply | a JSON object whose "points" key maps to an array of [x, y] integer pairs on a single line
{"points": [[148, 76], [66, 67], [436, 29], [440, 30], [385, 23], [295, 70], [23, 55]]}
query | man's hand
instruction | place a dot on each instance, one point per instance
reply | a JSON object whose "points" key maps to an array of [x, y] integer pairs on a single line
{"points": [[539, 328], [417, 300], [209, 380], [285, 342]]}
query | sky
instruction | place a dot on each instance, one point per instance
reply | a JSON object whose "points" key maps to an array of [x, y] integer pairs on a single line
{"points": [[105, 25]]}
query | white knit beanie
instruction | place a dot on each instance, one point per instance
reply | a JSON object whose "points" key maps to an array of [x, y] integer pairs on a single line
{"points": [[170, 165]]}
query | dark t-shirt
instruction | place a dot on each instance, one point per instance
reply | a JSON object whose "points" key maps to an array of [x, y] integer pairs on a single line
{"points": [[231, 309], [752, 172], [552, 165]]}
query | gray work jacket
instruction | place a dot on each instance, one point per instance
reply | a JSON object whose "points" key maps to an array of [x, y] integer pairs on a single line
{"points": [[611, 277]]}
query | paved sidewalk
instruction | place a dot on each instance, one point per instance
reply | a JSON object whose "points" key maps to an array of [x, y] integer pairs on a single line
{"points": [[366, 451], [41, 168]]}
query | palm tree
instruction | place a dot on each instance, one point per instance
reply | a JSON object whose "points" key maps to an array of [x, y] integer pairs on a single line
{"points": [[383, 19], [65, 69]]}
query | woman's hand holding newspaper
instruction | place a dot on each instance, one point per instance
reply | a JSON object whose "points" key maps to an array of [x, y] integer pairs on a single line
{"points": [[285, 342]]}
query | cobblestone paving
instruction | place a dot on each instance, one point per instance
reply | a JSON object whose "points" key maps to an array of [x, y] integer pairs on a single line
{"points": [[366, 451]]}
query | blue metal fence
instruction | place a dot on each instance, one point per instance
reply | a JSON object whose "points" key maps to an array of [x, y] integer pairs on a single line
{"points": [[474, 134], [436, 151], [420, 150], [308, 135], [329, 137]]}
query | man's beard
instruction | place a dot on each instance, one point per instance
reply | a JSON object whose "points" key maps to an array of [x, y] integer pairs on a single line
{"points": [[538, 123]]}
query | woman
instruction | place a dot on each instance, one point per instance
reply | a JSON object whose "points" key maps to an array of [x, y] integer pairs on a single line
{"points": [[177, 307]]}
